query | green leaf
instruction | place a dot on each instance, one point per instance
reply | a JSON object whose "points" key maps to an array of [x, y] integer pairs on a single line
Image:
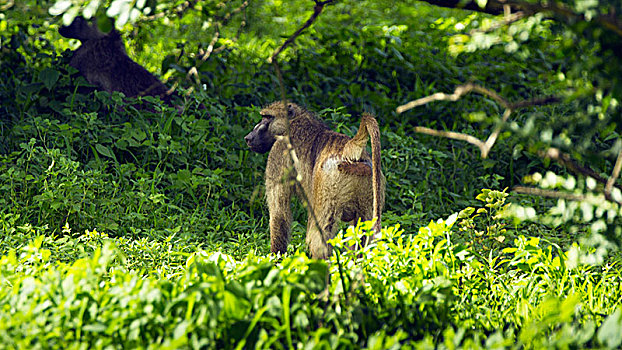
{"points": [[181, 329], [104, 23], [234, 307], [105, 151], [49, 77]]}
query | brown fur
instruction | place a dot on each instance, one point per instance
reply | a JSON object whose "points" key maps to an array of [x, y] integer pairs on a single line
{"points": [[102, 60], [355, 168], [341, 180]]}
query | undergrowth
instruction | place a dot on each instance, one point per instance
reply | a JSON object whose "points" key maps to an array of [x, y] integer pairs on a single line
{"points": [[407, 289], [129, 223]]}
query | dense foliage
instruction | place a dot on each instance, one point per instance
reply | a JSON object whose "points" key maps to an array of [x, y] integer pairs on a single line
{"points": [[410, 290], [131, 223]]}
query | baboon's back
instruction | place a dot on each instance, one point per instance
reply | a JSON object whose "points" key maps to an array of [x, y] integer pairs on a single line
{"points": [[105, 63]]}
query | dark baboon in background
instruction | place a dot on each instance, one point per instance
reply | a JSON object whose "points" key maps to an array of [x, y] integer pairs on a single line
{"points": [[103, 61], [341, 180]]}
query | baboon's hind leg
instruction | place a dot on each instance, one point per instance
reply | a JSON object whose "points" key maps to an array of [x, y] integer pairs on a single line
{"points": [[327, 221]]}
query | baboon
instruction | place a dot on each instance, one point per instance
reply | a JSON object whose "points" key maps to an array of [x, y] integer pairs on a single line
{"points": [[103, 61], [341, 181]]}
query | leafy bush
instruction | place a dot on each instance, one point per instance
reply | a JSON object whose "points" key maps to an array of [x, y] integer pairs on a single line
{"points": [[402, 289]]}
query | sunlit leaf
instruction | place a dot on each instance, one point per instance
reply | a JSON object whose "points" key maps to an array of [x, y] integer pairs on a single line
{"points": [[609, 333], [60, 7]]}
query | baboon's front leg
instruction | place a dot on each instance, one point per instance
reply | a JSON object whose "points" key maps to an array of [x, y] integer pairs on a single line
{"points": [[278, 196]]}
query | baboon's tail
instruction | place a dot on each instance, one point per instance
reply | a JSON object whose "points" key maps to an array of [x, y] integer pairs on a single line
{"points": [[353, 150]]}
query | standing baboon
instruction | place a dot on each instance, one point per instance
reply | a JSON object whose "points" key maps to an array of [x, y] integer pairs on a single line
{"points": [[340, 179], [102, 60]]}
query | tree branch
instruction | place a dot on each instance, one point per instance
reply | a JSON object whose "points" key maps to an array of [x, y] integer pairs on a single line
{"points": [[556, 194], [177, 11], [453, 135], [493, 136], [566, 14], [610, 22], [548, 193], [541, 101], [439, 96], [7, 5], [462, 90], [485, 147], [614, 175], [317, 9], [494, 7], [569, 163], [572, 165], [219, 24], [193, 72], [509, 18]]}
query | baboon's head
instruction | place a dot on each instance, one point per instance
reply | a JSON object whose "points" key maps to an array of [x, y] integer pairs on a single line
{"points": [[260, 139], [273, 123], [81, 29]]}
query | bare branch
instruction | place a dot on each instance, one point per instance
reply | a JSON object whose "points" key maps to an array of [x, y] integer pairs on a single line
{"points": [[541, 101], [210, 47], [493, 7], [561, 11], [456, 136], [508, 18], [228, 16], [193, 72], [492, 94], [493, 137], [177, 11], [614, 175], [548, 193], [610, 22], [462, 90], [439, 96], [7, 5], [569, 163], [556, 194], [317, 9]]}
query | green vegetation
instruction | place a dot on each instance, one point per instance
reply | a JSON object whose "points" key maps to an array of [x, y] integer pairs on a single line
{"points": [[127, 223]]}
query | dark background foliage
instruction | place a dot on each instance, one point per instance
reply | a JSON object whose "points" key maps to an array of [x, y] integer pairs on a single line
{"points": [[154, 221]]}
